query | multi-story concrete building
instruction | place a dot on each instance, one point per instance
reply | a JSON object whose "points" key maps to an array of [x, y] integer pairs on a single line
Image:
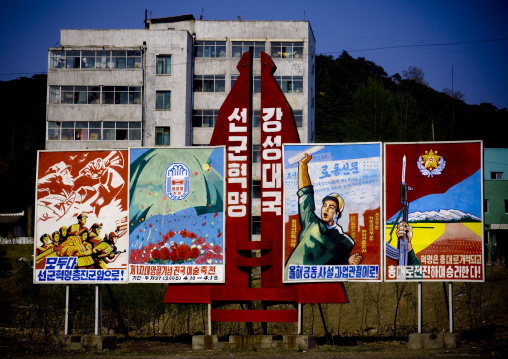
{"points": [[495, 197], [164, 85]]}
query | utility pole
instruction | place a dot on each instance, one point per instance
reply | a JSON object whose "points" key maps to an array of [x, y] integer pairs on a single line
{"points": [[453, 105]]}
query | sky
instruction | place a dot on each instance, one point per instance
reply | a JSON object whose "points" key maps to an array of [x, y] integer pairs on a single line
{"points": [[460, 44]]}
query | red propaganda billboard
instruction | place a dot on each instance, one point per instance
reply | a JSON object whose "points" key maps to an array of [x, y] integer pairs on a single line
{"points": [[81, 217], [434, 207]]}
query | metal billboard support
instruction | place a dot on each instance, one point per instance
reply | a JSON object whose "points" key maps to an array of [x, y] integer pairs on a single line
{"points": [[210, 331], [98, 310], [300, 318], [68, 322], [420, 306], [450, 305]]}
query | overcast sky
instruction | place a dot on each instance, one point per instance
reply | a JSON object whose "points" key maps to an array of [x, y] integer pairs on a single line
{"points": [[470, 36]]}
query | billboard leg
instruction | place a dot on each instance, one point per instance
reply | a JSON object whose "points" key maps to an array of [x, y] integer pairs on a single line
{"points": [[420, 307], [68, 321], [450, 305], [210, 331], [98, 310], [300, 318]]}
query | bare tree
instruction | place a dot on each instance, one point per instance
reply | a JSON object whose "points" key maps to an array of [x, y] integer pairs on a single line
{"points": [[416, 74], [399, 291], [457, 95]]}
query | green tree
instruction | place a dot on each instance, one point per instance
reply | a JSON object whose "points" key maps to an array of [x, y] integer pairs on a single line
{"points": [[337, 81], [373, 115]]}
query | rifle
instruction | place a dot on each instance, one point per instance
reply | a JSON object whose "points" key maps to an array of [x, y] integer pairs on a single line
{"points": [[403, 241], [100, 256]]}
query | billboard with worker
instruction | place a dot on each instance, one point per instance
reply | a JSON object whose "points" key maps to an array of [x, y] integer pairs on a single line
{"points": [[81, 217], [176, 215], [433, 205], [332, 204]]}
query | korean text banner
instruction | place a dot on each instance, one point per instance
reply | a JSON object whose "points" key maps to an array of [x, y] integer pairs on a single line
{"points": [[176, 219], [332, 217], [434, 211], [81, 217]]}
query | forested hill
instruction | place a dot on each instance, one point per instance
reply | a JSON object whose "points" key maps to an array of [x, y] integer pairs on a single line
{"points": [[356, 101]]}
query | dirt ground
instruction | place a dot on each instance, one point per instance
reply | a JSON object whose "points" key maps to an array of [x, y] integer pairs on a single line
{"points": [[493, 343]]}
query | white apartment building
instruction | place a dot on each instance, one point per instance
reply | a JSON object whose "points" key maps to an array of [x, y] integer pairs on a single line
{"points": [[164, 85]]}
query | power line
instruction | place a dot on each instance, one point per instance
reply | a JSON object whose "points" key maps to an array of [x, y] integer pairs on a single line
{"points": [[331, 52], [26, 73], [421, 45]]}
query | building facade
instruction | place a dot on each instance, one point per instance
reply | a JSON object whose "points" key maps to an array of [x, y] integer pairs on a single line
{"points": [[164, 85], [495, 197]]}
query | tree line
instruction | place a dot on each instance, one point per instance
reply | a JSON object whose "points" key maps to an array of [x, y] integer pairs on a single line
{"points": [[356, 101]]}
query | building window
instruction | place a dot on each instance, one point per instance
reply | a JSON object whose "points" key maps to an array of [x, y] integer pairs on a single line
{"points": [[287, 50], [164, 65], [298, 118], [210, 83], [162, 136], [290, 84], [90, 59], [57, 59], [485, 206], [256, 153], [496, 175], [94, 95], [134, 131], [256, 224], [163, 100], [256, 118], [210, 49], [256, 82], [204, 118], [238, 48], [121, 95], [256, 189], [121, 131], [93, 131]]}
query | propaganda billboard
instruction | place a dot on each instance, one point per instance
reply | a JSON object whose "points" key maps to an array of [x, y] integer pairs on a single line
{"points": [[176, 215], [81, 217], [433, 207], [332, 212]]}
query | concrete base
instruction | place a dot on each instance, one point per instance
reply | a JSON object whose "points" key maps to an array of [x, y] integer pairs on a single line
{"points": [[70, 342], [419, 341], [248, 342], [90, 343], [204, 342], [300, 342]]}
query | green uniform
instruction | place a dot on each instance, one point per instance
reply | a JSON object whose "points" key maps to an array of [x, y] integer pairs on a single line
{"points": [[318, 244]]}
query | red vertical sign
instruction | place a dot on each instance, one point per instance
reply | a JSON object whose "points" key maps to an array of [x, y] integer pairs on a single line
{"points": [[233, 130], [277, 127]]}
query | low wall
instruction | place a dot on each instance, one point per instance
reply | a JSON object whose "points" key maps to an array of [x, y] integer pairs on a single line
{"points": [[243, 342]]}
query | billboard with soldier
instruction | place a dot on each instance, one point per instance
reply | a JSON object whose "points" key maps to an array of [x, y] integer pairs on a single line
{"points": [[433, 207], [81, 217]]}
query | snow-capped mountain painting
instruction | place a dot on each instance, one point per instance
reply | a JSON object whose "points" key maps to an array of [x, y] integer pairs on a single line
{"points": [[443, 215]]}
